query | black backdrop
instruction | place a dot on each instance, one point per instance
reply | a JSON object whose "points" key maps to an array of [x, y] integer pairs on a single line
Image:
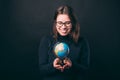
{"points": [[23, 22]]}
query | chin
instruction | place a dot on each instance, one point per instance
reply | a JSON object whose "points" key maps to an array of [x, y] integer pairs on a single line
{"points": [[63, 34]]}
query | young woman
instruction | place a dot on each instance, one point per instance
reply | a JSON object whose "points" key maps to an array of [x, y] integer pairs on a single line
{"points": [[65, 29]]}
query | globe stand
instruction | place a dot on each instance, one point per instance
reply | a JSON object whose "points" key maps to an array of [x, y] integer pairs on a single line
{"points": [[61, 62]]}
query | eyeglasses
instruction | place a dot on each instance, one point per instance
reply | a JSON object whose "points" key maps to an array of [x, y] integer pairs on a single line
{"points": [[68, 24]]}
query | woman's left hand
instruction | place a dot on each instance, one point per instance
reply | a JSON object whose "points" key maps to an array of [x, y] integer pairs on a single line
{"points": [[67, 63]]}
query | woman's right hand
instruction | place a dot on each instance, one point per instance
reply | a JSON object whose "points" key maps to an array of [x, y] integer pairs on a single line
{"points": [[56, 64]]}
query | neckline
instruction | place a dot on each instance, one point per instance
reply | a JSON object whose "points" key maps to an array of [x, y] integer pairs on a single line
{"points": [[63, 37]]}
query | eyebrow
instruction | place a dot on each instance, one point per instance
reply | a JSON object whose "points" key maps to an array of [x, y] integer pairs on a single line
{"points": [[63, 22]]}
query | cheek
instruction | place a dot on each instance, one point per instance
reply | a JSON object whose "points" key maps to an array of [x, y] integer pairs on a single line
{"points": [[57, 29], [70, 30]]}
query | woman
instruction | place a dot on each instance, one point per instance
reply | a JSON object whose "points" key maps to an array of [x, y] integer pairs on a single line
{"points": [[66, 29]]}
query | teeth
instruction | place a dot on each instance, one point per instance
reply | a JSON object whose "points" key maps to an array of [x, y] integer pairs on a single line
{"points": [[63, 32]]}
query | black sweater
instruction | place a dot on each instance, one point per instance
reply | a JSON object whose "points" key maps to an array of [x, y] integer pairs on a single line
{"points": [[79, 55]]}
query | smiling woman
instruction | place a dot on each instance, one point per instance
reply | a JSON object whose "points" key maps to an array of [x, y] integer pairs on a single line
{"points": [[65, 30]]}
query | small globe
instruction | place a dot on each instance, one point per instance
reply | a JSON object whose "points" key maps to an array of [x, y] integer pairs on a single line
{"points": [[61, 50]]}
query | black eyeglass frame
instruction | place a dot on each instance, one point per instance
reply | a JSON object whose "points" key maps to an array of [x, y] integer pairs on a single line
{"points": [[68, 24]]}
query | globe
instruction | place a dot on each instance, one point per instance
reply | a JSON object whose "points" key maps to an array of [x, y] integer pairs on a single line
{"points": [[61, 50]]}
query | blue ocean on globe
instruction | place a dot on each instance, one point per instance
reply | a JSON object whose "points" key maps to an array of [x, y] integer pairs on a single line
{"points": [[61, 50]]}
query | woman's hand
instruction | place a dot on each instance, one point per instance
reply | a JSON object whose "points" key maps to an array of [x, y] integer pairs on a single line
{"points": [[67, 63], [56, 64]]}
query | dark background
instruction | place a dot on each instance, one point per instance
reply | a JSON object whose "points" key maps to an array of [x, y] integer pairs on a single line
{"points": [[23, 22]]}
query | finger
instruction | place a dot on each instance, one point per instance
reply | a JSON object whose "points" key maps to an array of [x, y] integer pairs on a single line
{"points": [[57, 59], [58, 67], [65, 66]]}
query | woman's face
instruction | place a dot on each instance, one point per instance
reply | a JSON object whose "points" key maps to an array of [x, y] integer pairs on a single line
{"points": [[63, 24]]}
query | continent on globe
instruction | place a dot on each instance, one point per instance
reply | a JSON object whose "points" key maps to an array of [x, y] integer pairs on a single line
{"points": [[61, 50]]}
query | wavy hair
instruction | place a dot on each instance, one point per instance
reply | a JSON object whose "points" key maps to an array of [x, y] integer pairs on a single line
{"points": [[75, 31]]}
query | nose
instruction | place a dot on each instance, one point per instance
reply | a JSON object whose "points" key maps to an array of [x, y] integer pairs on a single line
{"points": [[63, 26]]}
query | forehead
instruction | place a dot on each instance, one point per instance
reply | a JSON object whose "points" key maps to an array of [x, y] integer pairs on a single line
{"points": [[63, 17]]}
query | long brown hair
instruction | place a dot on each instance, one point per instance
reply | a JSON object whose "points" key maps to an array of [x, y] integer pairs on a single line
{"points": [[75, 31]]}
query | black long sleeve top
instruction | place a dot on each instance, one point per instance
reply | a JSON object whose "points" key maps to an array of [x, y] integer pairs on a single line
{"points": [[79, 55]]}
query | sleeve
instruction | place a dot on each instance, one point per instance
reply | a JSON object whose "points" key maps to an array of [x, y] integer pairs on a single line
{"points": [[45, 67], [82, 65], [84, 59]]}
